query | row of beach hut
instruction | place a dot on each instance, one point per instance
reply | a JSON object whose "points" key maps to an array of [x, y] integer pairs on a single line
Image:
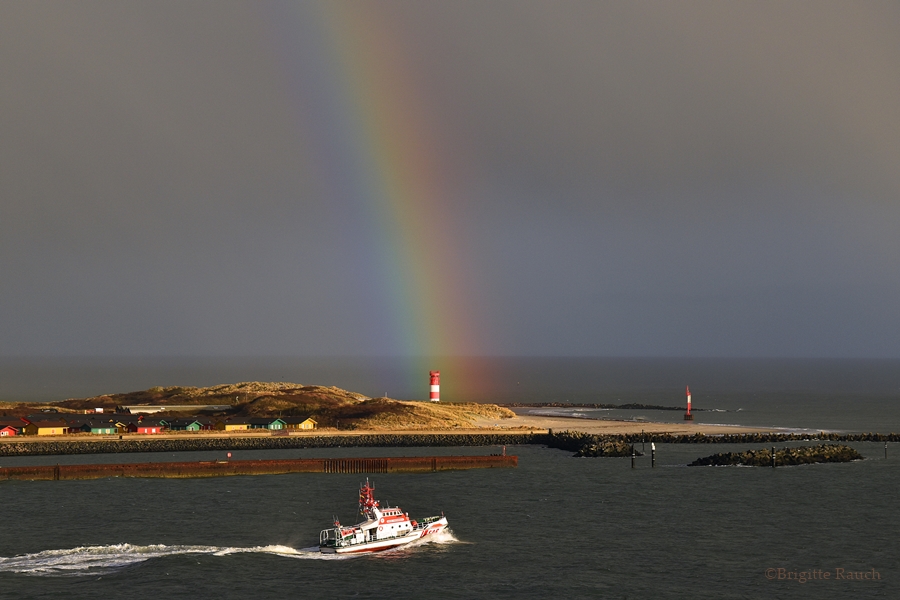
{"points": [[63, 424]]}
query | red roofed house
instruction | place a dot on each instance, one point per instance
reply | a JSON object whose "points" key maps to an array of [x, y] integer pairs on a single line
{"points": [[9, 429], [149, 426]]}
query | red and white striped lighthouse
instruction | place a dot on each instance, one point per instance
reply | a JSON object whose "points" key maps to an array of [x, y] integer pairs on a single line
{"points": [[435, 395], [687, 415]]}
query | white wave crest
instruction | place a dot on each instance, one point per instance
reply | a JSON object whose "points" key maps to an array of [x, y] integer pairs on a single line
{"points": [[444, 536]]}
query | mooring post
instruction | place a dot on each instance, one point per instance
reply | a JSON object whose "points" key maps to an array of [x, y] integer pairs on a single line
{"points": [[643, 441], [885, 451], [632, 456], [773, 457], [652, 454]]}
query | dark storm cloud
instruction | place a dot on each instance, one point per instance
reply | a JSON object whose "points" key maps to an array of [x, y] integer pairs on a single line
{"points": [[694, 178], [650, 97], [697, 178], [152, 185]]}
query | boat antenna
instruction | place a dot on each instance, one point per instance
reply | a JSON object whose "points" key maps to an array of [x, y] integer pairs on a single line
{"points": [[367, 497]]}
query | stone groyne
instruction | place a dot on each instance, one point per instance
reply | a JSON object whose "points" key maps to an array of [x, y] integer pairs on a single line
{"points": [[188, 444], [594, 445], [804, 455], [574, 441], [758, 438], [182, 470]]}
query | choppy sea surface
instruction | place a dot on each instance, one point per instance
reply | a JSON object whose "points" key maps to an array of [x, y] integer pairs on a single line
{"points": [[555, 526]]}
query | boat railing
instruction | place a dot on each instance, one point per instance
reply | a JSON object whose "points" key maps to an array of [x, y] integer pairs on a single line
{"points": [[426, 522], [330, 537]]}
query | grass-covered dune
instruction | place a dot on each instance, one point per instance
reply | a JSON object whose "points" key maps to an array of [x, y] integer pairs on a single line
{"points": [[329, 406]]}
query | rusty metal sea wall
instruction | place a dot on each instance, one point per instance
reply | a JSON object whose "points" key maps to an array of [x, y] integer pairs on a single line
{"points": [[178, 470]]}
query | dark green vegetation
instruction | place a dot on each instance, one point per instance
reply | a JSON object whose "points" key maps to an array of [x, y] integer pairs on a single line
{"points": [[802, 455]]}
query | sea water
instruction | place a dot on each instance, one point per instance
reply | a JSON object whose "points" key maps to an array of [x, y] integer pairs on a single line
{"points": [[555, 526]]}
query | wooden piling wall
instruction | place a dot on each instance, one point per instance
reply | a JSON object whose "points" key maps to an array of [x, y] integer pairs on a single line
{"points": [[176, 470]]}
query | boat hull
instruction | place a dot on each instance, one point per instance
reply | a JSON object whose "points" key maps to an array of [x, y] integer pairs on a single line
{"points": [[388, 543]]}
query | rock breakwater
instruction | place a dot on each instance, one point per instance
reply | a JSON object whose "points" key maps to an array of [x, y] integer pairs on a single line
{"points": [[802, 455], [582, 444], [187, 444], [591, 445], [757, 438]]}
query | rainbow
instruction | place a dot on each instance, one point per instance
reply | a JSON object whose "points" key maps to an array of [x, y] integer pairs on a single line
{"points": [[376, 157]]}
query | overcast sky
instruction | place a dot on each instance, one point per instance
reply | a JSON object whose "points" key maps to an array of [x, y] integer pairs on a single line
{"points": [[623, 178]]}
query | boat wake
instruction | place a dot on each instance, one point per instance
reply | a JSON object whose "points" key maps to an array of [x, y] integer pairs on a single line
{"points": [[96, 560]]}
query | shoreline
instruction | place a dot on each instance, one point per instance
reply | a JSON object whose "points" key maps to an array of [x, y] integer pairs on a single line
{"points": [[527, 424], [616, 427], [521, 429]]}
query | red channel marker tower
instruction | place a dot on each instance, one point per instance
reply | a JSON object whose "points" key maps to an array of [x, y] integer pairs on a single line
{"points": [[435, 395], [687, 415]]}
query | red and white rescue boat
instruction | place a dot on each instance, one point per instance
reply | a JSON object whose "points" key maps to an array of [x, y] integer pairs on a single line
{"points": [[381, 529]]}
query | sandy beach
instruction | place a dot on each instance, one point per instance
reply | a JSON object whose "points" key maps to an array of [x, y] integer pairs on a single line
{"points": [[610, 427]]}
